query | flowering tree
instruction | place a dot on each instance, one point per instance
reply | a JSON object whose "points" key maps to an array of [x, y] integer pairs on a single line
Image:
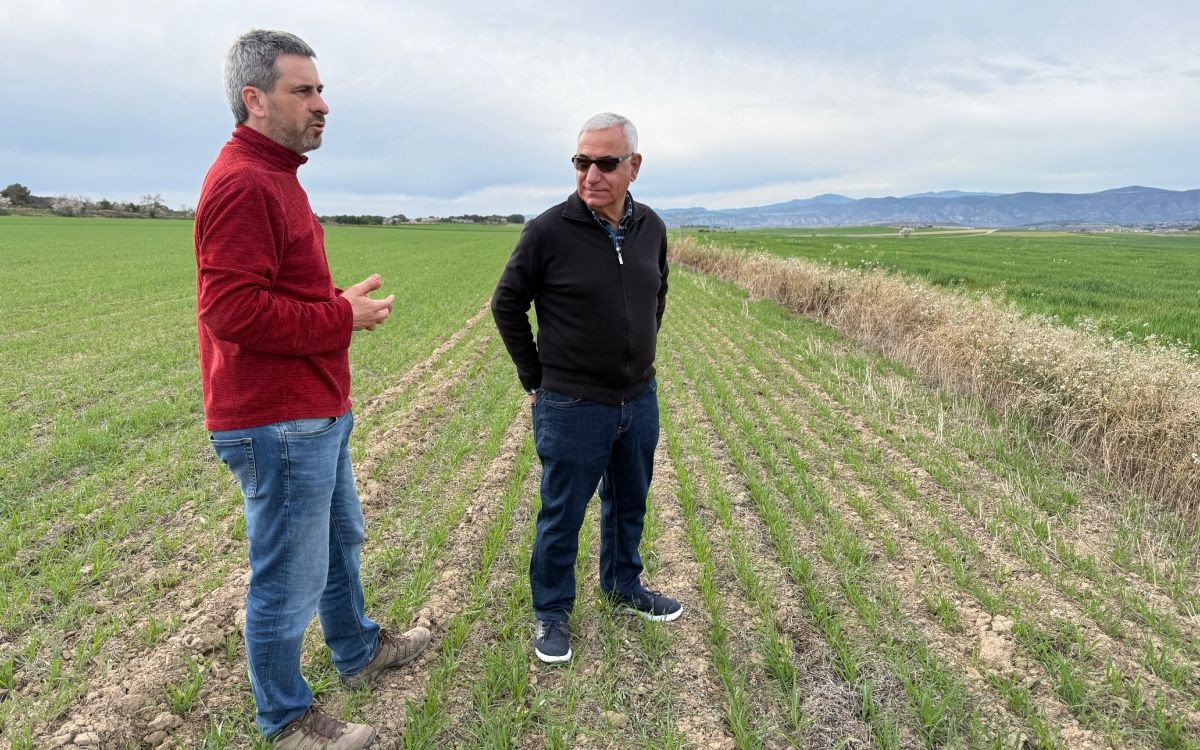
{"points": [[152, 204], [67, 206]]}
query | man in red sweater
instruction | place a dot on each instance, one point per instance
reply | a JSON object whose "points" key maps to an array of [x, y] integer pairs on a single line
{"points": [[274, 337]]}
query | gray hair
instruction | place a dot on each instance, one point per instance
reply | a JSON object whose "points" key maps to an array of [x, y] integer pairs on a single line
{"points": [[251, 62], [606, 120]]}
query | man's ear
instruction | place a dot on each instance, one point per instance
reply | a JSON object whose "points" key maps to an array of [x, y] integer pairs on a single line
{"points": [[636, 163], [255, 101]]}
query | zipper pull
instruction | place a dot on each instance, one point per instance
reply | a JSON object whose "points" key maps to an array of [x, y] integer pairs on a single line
{"points": [[620, 260]]}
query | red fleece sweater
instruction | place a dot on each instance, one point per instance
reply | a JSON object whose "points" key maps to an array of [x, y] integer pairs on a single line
{"points": [[274, 334]]}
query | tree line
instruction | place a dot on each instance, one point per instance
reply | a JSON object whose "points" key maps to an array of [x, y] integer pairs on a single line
{"points": [[373, 219], [150, 205]]}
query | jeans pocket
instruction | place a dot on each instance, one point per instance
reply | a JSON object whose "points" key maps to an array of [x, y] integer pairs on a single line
{"points": [[557, 400], [307, 426], [238, 455]]}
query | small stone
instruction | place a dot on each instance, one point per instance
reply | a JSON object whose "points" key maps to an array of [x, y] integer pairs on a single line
{"points": [[618, 720], [204, 642], [60, 740], [156, 739], [86, 739]]}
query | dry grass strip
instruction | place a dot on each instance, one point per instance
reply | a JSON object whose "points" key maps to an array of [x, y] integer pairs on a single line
{"points": [[1132, 408]]}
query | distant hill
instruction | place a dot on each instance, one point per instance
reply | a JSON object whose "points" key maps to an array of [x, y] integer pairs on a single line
{"points": [[946, 194], [1131, 206]]}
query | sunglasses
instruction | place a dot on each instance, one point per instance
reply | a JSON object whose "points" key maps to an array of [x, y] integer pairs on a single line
{"points": [[604, 163]]}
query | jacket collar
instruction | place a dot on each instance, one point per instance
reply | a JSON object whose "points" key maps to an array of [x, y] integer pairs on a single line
{"points": [[261, 146], [576, 210]]}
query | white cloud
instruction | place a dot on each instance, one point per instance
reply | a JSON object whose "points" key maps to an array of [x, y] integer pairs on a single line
{"points": [[472, 107]]}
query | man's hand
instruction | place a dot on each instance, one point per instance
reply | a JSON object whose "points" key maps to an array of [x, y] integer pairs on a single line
{"points": [[368, 312]]}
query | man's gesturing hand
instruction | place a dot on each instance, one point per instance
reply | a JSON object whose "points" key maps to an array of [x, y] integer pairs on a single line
{"points": [[368, 312]]}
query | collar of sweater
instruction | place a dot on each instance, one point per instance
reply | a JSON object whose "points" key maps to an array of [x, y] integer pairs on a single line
{"points": [[263, 147], [577, 210]]}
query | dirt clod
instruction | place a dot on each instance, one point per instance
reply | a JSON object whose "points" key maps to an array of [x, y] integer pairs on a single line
{"points": [[165, 720]]}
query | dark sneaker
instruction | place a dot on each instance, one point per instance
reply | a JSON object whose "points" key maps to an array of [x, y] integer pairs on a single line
{"points": [[317, 731], [393, 650], [552, 643], [651, 605]]}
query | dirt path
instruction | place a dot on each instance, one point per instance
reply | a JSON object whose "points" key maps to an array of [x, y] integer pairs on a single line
{"points": [[830, 706], [697, 692], [392, 693]]}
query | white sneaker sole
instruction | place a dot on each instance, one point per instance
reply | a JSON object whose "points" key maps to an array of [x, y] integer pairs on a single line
{"points": [[552, 659], [656, 618]]}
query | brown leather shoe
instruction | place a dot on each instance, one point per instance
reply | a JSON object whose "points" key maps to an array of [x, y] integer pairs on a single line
{"points": [[393, 650], [316, 730]]}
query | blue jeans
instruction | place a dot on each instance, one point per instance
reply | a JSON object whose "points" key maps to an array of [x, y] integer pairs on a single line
{"points": [[582, 444], [305, 528]]}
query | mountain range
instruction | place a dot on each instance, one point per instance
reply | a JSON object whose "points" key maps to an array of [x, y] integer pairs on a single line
{"points": [[1131, 206]]}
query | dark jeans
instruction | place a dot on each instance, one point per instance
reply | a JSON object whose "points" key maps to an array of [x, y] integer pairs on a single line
{"points": [[582, 444]]}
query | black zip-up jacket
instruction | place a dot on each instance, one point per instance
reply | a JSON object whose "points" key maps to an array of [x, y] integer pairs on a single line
{"points": [[598, 311]]}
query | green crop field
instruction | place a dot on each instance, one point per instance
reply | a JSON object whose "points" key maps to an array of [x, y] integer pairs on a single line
{"points": [[1135, 284], [864, 562]]}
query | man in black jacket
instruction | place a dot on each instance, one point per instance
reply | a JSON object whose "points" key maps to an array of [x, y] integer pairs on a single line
{"points": [[595, 270]]}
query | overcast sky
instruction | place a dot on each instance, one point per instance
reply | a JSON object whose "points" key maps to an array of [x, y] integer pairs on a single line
{"points": [[473, 107]]}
